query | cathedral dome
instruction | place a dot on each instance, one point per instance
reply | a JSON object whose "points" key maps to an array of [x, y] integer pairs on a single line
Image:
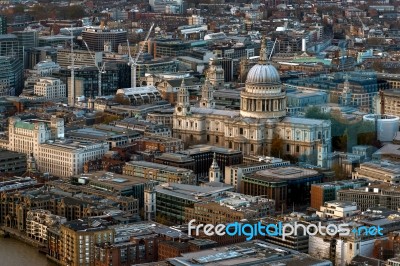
{"points": [[263, 73]]}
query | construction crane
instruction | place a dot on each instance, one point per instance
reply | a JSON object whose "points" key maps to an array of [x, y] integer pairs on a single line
{"points": [[362, 25], [71, 100], [133, 61], [272, 50], [101, 70]]}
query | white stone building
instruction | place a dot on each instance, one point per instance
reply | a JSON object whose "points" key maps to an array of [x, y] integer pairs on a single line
{"points": [[64, 158], [44, 140], [260, 121], [50, 88], [338, 209]]}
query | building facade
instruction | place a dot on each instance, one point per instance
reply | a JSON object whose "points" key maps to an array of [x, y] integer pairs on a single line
{"points": [[45, 141], [50, 88], [78, 239], [159, 172], [261, 119]]}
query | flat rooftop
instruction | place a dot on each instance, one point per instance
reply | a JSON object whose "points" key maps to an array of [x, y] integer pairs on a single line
{"points": [[202, 148], [158, 166], [343, 183], [254, 252], [191, 192], [117, 181], [284, 173]]}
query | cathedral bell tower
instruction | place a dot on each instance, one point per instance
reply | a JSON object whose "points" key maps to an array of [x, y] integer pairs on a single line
{"points": [[216, 73], [207, 95], [183, 105]]}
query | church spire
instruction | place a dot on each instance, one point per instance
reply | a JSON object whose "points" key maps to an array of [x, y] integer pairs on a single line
{"points": [[214, 173]]}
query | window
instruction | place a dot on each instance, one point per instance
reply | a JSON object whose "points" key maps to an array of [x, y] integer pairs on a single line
{"points": [[251, 147], [208, 137], [241, 131], [287, 147], [216, 139], [297, 148]]}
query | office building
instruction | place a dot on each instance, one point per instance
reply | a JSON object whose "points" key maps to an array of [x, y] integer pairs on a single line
{"points": [[50, 88], [172, 199], [177, 160], [288, 186], [203, 156], [78, 239], [10, 46], [64, 158], [11, 75], [122, 185], [137, 243], [115, 76], [166, 145], [234, 173], [255, 252], [230, 208], [45, 141], [12, 162], [82, 58], [380, 194], [45, 68], [38, 54], [378, 171], [323, 192], [338, 209], [96, 37], [159, 172]]}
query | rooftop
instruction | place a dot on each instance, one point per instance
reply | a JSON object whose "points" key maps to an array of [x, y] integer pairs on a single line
{"points": [[158, 166], [85, 225], [254, 252], [202, 148], [343, 183], [191, 192], [116, 181], [284, 173]]}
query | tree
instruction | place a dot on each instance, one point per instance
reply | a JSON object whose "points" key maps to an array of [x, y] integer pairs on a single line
{"points": [[340, 173], [122, 99], [72, 12], [276, 147]]}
